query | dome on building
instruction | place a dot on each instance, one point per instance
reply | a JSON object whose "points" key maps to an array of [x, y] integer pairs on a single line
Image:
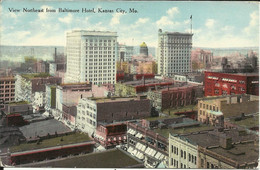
{"points": [[143, 50], [143, 45]]}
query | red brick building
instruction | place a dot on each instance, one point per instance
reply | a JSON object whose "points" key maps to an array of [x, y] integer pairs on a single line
{"points": [[217, 84], [111, 135]]}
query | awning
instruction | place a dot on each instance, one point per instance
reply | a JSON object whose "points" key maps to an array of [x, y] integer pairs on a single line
{"points": [[130, 149]]}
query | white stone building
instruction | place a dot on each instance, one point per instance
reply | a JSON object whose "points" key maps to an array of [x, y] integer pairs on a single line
{"points": [[91, 56], [174, 52], [86, 116], [182, 153]]}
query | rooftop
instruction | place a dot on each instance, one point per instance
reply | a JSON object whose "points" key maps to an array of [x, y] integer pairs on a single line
{"points": [[239, 74], [42, 128], [191, 129], [113, 99], [212, 138], [246, 152], [170, 113], [35, 75], [67, 139], [113, 158], [150, 81], [18, 103], [247, 122]]}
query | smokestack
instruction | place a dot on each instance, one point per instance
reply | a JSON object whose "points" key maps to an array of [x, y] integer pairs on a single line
{"points": [[55, 55]]}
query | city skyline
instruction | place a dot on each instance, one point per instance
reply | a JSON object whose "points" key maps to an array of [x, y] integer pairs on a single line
{"points": [[215, 24]]}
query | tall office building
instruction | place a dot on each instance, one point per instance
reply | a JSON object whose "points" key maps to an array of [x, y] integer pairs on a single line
{"points": [[91, 56], [174, 52]]}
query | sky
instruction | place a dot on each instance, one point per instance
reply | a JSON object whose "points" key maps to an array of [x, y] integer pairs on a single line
{"points": [[214, 24]]}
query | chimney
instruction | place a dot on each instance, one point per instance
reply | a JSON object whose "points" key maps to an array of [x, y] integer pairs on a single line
{"points": [[225, 142]]}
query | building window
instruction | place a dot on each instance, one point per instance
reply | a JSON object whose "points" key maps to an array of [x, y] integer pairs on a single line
{"points": [[174, 162], [189, 157], [171, 161], [172, 148], [202, 163], [184, 154], [181, 153]]}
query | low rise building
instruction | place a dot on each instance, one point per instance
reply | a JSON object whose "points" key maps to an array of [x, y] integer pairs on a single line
{"points": [[213, 110], [186, 150], [147, 139], [110, 135], [92, 111], [242, 155], [21, 107], [172, 97], [217, 83], [112, 158]]}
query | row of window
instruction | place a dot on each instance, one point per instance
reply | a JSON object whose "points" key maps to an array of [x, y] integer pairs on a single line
{"points": [[209, 107], [7, 82], [7, 86], [191, 158], [6, 95]]}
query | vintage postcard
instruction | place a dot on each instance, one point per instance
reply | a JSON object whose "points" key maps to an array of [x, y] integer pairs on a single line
{"points": [[129, 84]]}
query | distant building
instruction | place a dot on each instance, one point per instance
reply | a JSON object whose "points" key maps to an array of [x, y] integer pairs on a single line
{"points": [[91, 57], [125, 52], [92, 111], [132, 88], [27, 84], [7, 90], [143, 50], [174, 52], [42, 66], [201, 59], [217, 84], [213, 110]]}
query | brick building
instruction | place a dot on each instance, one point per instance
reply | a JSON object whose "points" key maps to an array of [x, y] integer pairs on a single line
{"points": [[213, 110], [92, 111], [7, 90], [110, 135], [217, 83], [172, 97]]}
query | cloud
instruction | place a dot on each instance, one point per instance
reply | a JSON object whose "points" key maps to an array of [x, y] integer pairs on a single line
{"points": [[142, 21], [115, 20], [44, 15], [210, 23], [22, 34], [253, 24], [12, 15], [172, 11], [168, 20], [67, 19]]}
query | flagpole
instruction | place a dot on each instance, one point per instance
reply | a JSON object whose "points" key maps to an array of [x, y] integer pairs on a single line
{"points": [[191, 24]]}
